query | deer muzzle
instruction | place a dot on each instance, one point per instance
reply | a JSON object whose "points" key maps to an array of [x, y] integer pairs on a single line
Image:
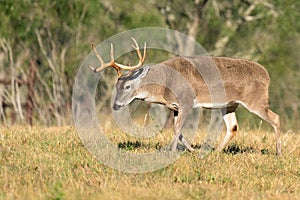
{"points": [[117, 107]]}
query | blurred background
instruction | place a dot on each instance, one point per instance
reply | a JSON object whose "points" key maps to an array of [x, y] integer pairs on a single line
{"points": [[42, 44]]}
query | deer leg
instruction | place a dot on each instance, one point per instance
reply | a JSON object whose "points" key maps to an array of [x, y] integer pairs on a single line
{"points": [[147, 116], [214, 130], [273, 119], [185, 143], [179, 119], [232, 127], [170, 121], [181, 138]]}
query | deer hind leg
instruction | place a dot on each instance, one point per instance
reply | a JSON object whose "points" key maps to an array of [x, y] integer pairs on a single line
{"points": [[275, 122], [232, 128], [272, 118]]}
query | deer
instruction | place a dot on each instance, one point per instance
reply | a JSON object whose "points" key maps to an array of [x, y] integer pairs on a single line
{"points": [[177, 84]]}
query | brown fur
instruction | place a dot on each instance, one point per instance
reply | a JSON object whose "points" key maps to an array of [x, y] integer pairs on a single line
{"points": [[180, 82]]}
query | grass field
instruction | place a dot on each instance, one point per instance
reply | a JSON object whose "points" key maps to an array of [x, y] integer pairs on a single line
{"points": [[52, 163]]}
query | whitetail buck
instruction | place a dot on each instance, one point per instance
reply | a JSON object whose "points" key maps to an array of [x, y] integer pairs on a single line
{"points": [[178, 84]]}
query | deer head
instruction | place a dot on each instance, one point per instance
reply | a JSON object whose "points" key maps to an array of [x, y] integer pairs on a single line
{"points": [[128, 83], [127, 87]]}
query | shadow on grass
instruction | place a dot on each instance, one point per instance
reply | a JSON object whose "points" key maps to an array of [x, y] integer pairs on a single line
{"points": [[130, 145], [232, 149], [235, 149], [203, 146]]}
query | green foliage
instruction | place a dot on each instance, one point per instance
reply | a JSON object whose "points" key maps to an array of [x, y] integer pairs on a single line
{"points": [[264, 31]]}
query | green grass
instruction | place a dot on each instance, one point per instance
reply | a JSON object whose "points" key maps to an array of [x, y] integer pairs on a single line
{"points": [[52, 163]]}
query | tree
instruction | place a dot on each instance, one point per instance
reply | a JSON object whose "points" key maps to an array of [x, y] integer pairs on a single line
{"points": [[42, 43]]}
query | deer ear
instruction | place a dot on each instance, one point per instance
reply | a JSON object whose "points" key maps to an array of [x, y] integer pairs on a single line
{"points": [[137, 73], [144, 72]]}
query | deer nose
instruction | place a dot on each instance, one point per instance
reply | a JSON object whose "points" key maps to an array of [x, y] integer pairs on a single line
{"points": [[116, 107]]}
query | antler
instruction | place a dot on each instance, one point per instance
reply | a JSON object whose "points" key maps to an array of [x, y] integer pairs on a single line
{"points": [[116, 65], [105, 65]]}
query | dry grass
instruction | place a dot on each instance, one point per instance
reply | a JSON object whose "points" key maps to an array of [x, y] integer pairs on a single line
{"points": [[51, 163]]}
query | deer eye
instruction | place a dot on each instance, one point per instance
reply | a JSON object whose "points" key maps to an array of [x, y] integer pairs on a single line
{"points": [[127, 87]]}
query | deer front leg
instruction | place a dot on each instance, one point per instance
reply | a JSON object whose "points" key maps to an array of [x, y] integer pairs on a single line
{"points": [[185, 143], [147, 116], [214, 130], [179, 119], [213, 133]]}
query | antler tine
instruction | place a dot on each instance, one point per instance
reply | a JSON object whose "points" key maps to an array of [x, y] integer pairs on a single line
{"points": [[112, 52], [136, 44], [102, 64], [137, 48], [97, 55], [105, 65], [118, 66], [112, 62], [141, 58], [144, 56]]}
